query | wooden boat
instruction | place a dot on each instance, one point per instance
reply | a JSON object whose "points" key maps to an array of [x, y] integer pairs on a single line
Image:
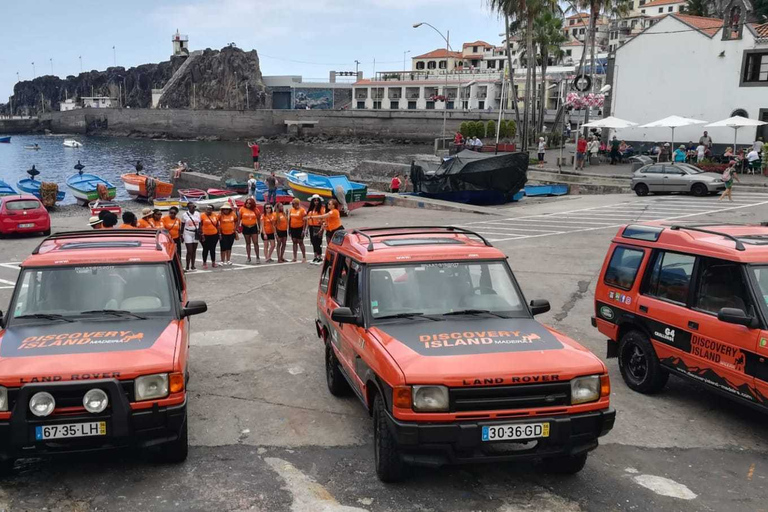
{"points": [[304, 185], [216, 202], [72, 143], [166, 203], [194, 194], [32, 186], [283, 196], [373, 199], [241, 187], [99, 205], [6, 189], [5, 140], [140, 186], [84, 187], [214, 193]]}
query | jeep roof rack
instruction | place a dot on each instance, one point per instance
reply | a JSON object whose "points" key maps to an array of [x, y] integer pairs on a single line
{"points": [[371, 233], [736, 241], [98, 233]]}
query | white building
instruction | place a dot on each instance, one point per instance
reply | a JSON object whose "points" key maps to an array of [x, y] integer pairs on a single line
{"points": [[659, 7], [180, 44], [68, 104], [572, 52], [99, 102], [474, 56], [622, 30], [690, 66], [575, 27]]}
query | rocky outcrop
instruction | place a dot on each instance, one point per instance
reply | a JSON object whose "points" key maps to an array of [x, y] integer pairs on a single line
{"points": [[215, 80]]}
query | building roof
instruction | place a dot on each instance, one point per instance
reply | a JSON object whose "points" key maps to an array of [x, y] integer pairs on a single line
{"points": [[573, 42], [478, 43], [440, 53], [761, 30], [656, 3], [578, 15], [707, 26]]}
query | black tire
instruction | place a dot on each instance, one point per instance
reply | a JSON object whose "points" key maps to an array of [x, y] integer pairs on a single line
{"points": [[566, 465], [47, 232], [641, 189], [6, 467], [337, 384], [176, 451], [639, 365], [699, 190], [389, 463]]}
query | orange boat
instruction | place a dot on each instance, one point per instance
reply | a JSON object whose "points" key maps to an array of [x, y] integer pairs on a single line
{"points": [[140, 186]]}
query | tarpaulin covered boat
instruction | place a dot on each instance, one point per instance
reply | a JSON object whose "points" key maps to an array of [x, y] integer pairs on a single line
{"points": [[471, 177]]}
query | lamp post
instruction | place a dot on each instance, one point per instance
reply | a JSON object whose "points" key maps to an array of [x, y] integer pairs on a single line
{"points": [[445, 89], [34, 73], [406, 51], [81, 63], [114, 56], [51, 60]]}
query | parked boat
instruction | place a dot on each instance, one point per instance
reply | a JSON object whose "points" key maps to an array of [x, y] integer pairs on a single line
{"points": [[33, 147], [143, 187], [216, 202], [304, 185], [194, 194], [85, 187], [215, 193], [6, 189], [241, 187], [373, 199], [283, 196], [165, 204], [5, 140], [72, 143], [100, 205], [32, 186]]}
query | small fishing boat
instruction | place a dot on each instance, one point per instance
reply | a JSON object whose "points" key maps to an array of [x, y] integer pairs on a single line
{"points": [[166, 203], [241, 187], [72, 143], [142, 187], [85, 187], [32, 186], [374, 199], [283, 196], [6, 189], [215, 193], [194, 194], [216, 202], [33, 147], [304, 185], [5, 140], [100, 205]]}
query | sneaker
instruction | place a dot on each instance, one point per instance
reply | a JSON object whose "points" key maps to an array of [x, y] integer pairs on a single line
{"points": [[205, 266], [248, 260], [213, 265], [258, 261]]}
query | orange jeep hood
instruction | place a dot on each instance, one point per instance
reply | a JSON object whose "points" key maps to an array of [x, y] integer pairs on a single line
{"points": [[89, 349], [484, 351]]}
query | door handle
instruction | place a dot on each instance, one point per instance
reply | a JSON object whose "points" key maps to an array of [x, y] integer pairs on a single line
{"points": [[644, 309], [693, 325]]}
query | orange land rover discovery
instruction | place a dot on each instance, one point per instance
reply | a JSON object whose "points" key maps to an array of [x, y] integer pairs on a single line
{"points": [[94, 347], [429, 328]]}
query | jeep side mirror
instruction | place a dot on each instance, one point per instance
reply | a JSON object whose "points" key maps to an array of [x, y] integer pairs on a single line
{"points": [[736, 316], [539, 306], [344, 316], [194, 307]]}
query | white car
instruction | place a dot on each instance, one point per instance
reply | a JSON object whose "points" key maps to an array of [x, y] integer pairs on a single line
{"points": [[679, 177]]}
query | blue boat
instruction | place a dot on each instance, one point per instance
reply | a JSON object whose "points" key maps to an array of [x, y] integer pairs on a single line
{"points": [[282, 195], [32, 186], [304, 185], [6, 140], [6, 189], [546, 190], [85, 187]]}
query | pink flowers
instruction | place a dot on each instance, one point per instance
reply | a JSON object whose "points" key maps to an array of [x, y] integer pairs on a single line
{"points": [[578, 101]]}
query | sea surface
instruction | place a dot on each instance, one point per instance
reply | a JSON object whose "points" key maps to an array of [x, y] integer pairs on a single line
{"points": [[109, 157]]}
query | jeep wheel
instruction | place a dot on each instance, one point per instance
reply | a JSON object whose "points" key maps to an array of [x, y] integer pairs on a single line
{"points": [[389, 464], [567, 465], [176, 451], [6, 467], [641, 189], [47, 232], [639, 365], [699, 190], [337, 384]]}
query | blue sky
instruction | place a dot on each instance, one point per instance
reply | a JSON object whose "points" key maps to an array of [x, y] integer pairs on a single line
{"points": [[322, 34]]}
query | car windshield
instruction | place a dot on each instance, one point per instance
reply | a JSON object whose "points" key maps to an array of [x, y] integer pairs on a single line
{"points": [[761, 277], [21, 205], [88, 291], [444, 288]]}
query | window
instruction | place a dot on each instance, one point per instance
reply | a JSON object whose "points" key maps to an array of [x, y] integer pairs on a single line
{"points": [[443, 64], [754, 69], [622, 269], [671, 277], [491, 64], [721, 285], [361, 104], [661, 9], [377, 105], [760, 275], [431, 65], [352, 300], [575, 31], [475, 62], [572, 22], [739, 112], [654, 169], [411, 105], [430, 105], [394, 105], [474, 49], [339, 286], [642, 2], [326, 274], [642, 11], [670, 8], [581, 31], [449, 105], [419, 65], [480, 105], [567, 53]]}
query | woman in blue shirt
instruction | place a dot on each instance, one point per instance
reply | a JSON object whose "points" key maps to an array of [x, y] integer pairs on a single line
{"points": [[679, 154]]}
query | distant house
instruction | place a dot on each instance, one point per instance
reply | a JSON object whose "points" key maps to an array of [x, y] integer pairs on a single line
{"points": [[659, 7], [68, 104], [99, 102]]}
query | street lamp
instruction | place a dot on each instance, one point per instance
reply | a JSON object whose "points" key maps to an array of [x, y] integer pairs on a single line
{"points": [[34, 73], [445, 88], [406, 51]]}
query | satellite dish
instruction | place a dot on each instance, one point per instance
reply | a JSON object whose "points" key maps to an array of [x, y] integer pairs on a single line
{"points": [[33, 172], [79, 168]]}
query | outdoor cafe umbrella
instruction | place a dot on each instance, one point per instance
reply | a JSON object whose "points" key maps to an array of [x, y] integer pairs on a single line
{"points": [[736, 122], [609, 122], [673, 122]]}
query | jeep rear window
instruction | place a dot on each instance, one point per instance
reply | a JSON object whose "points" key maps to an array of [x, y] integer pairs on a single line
{"points": [[622, 269], [445, 287]]}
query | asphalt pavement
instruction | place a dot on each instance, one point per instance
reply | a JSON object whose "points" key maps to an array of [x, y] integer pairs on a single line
{"points": [[267, 435]]}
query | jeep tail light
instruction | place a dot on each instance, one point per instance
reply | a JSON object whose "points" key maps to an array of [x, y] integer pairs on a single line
{"points": [[401, 397], [605, 386], [176, 382]]}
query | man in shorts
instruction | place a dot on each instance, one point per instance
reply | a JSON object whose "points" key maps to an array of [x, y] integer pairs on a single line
{"points": [[271, 188], [581, 152], [255, 150]]}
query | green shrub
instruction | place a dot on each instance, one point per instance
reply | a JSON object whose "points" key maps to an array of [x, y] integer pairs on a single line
{"points": [[490, 129], [479, 129], [511, 129], [464, 129]]}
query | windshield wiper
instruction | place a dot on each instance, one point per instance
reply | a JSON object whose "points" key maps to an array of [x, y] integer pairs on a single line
{"points": [[115, 312], [406, 315], [46, 316], [474, 312]]}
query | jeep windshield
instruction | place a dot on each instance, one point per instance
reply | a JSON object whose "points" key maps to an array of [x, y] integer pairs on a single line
{"points": [[445, 288], [95, 291]]}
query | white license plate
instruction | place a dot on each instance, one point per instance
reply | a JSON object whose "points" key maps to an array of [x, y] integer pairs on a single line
{"points": [[515, 432], [94, 428], [30, 225]]}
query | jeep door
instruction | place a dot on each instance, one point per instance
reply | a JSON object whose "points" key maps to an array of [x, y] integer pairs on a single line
{"points": [[345, 292], [757, 364]]}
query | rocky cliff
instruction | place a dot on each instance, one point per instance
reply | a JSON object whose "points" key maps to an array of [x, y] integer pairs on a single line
{"points": [[214, 80]]}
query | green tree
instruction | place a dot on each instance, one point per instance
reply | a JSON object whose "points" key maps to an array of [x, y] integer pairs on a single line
{"points": [[511, 129], [548, 35], [479, 129], [697, 8], [464, 129], [490, 129]]}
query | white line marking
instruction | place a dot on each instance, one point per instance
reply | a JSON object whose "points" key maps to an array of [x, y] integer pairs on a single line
{"points": [[6, 287], [14, 265], [5, 281]]}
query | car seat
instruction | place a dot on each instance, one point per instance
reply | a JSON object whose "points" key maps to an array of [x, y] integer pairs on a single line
{"points": [[721, 288], [383, 292]]}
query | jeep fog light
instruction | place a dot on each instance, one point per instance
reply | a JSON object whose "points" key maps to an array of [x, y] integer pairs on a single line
{"points": [[3, 399], [42, 404], [152, 386], [585, 389], [95, 401], [430, 398]]}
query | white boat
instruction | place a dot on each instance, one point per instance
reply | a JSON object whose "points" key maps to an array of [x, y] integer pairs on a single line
{"points": [[72, 143]]}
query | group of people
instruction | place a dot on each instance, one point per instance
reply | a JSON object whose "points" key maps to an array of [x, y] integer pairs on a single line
{"points": [[587, 149], [273, 225], [471, 143]]}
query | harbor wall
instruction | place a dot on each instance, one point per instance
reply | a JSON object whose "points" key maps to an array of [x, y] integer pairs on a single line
{"points": [[233, 124], [13, 126]]}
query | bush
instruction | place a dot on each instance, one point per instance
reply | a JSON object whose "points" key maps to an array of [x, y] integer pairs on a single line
{"points": [[479, 129], [712, 167], [511, 129], [490, 129], [464, 129]]}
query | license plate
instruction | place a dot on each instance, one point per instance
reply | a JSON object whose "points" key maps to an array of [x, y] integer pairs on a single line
{"points": [[515, 432], [94, 428], [30, 225]]}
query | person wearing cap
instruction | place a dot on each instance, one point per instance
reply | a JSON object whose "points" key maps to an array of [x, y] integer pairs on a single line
{"points": [[146, 221], [680, 154], [297, 224], [228, 231], [129, 221], [95, 222], [172, 224], [316, 209], [210, 224], [268, 231], [191, 234], [249, 224], [664, 153]]}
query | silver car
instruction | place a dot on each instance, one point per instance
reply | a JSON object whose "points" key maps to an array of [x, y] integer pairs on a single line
{"points": [[679, 177]]}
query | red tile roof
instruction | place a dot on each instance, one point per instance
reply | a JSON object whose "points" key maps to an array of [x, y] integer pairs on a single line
{"points": [[441, 53], [478, 43], [707, 26], [656, 3], [573, 42], [578, 15], [761, 30]]}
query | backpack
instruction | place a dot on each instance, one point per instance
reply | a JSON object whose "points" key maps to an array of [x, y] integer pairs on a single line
{"points": [[727, 175]]}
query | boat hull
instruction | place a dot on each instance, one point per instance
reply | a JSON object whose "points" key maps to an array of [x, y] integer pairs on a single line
{"points": [[33, 187], [136, 186], [84, 187], [5, 140], [304, 191], [6, 189]]}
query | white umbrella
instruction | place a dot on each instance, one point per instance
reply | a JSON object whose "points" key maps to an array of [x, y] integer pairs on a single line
{"points": [[673, 122], [609, 122], [736, 122]]}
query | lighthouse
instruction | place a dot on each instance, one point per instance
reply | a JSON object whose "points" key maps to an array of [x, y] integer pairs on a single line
{"points": [[180, 44]]}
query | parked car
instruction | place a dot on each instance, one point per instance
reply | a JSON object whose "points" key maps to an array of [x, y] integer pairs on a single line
{"points": [[679, 177], [23, 213]]}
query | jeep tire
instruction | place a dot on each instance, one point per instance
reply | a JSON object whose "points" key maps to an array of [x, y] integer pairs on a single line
{"points": [[176, 451], [389, 463], [6, 467], [565, 465], [639, 365], [337, 384]]}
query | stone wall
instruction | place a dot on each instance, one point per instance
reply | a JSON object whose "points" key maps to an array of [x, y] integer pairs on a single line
{"points": [[11, 126]]}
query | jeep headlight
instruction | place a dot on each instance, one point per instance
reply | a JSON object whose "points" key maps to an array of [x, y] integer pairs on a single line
{"points": [[3, 399], [430, 398], [585, 389], [149, 387]]}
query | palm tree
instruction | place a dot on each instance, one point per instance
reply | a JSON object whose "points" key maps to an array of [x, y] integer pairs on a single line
{"points": [[548, 35], [697, 7]]}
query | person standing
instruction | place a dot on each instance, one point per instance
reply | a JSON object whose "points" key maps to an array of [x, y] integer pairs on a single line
{"points": [[210, 224], [581, 153], [172, 224], [271, 188], [706, 141], [542, 148], [701, 152], [332, 220], [664, 155], [157, 218], [458, 140], [228, 231], [415, 177], [191, 234], [395, 184], [680, 154], [593, 148], [758, 145], [281, 232], [316, 209], [146, 221], [249, 222], [297, 224], [729, 174], [129, 221], [268, 231], [255, 150], [251, 186]]}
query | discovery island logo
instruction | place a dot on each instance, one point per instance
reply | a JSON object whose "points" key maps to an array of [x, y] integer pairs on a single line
{"points": [[80, 338], [458, 339]]}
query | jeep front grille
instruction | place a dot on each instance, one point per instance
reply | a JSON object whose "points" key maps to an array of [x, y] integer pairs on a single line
{"points": [[524, 396]]}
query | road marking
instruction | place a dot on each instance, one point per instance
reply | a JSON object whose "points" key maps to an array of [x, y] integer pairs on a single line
{"points": [[5, 281], [665, 487]]}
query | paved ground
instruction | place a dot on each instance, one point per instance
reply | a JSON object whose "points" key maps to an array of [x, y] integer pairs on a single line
{"points": [[267, 435]]}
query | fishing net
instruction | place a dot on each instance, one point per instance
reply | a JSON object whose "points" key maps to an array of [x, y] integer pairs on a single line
{"points": [[103, 191], [48, 192]]}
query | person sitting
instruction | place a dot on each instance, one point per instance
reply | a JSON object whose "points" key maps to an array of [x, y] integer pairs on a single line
{"points": [[478, 144], [753, 161]]}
